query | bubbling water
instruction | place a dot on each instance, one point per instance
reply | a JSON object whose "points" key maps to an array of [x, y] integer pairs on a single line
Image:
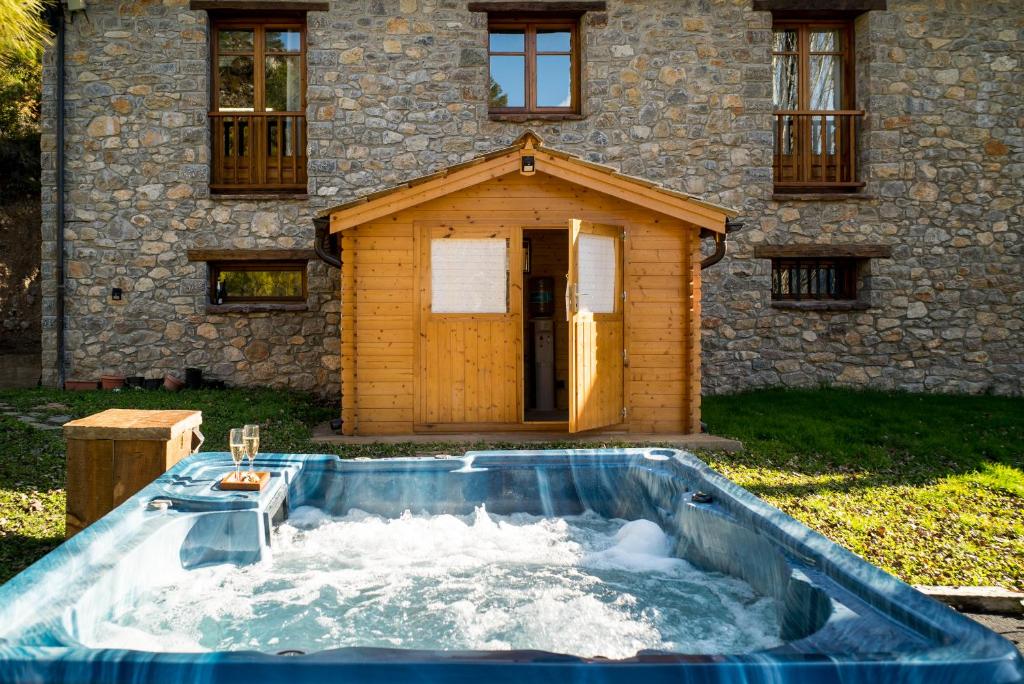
{"points": [[582, 585]]}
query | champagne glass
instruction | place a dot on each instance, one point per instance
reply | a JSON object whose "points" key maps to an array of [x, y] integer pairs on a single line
{"points": [[251, 437], [237, 443]]}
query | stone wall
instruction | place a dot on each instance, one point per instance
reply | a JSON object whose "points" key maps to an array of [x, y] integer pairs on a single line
{"points": [[676, 91], [19, 277]]}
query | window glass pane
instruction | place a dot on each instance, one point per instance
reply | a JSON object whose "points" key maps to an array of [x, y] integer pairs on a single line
{"points": [[554, 81], [825, 41], [469, 276], [785, 80], [597, 277], [784, 40], [283, 84], [236, 84], [553, 41], [283, 41], [235, 40], [825, 81], [258, 284], [508, 41], [508, 75]]}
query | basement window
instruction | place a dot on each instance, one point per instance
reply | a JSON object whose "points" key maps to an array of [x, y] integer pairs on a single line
{"points": [[257, 281], [814, 279], [822, 277]]}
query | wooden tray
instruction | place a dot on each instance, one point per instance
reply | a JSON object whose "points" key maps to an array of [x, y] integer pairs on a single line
{"points": [[231, 482]]}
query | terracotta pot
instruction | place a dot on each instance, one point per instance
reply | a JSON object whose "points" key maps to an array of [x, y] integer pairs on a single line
{"points": [[172, 383], [79, 385], [109, 382]]}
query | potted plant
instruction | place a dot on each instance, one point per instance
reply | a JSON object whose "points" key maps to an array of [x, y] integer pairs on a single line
{"points": [[111, 381]]}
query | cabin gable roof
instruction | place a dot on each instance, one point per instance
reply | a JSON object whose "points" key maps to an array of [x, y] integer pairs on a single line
{"points": [[556, 163]]}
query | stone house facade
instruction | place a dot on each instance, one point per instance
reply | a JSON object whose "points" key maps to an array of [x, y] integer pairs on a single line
{"points": [[678, 92]]}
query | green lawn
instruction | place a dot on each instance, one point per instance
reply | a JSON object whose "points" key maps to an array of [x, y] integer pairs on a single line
{"points": [[930, 488]]}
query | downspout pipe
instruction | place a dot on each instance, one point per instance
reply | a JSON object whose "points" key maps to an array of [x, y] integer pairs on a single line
{"points": [[324, 244], [328, 249], [721, 239], [56, 21]]}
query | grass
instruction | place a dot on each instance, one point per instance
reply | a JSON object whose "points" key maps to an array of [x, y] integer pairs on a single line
{"points": [[931, 488]]}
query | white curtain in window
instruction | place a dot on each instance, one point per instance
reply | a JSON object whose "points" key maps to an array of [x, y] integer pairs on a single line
{"points": [[596, 272], [469, 276]]}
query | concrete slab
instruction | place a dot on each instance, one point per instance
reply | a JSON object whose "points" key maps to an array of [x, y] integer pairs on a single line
{"points": [[323, 434], [977, 599]]}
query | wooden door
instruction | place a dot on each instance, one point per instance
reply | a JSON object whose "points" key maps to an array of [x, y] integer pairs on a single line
{"points": [[470, 334], [594, 307]]}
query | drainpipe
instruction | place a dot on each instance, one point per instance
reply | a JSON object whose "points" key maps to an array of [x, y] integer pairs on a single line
{"points": [[57, 24], [731, 225], [324, 244], [328, 249]]}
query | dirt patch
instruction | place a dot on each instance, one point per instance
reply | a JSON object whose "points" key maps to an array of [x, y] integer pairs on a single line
{"points": [[20, 298]]}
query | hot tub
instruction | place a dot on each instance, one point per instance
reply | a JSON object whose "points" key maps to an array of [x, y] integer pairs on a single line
{"points": [[609, 565]]}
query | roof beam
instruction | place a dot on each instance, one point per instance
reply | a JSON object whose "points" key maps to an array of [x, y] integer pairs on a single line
{"points": [[424, 192], [634, 193]]}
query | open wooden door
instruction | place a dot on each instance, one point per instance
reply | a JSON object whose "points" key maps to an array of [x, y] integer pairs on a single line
{"points": [[594, 308]]}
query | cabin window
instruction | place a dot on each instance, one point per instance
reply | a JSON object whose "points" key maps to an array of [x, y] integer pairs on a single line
{"points": [[534, 67], [469, 276], [814, 279], [597, 276], [816, 127], [257, 118], [257, 281]]}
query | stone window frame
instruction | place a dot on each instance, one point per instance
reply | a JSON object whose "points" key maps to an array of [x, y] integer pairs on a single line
{"points": [[254, 259], [858, 257]]}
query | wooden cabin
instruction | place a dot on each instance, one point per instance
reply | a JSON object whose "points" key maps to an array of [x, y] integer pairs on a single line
{"points": [[525, 289]]}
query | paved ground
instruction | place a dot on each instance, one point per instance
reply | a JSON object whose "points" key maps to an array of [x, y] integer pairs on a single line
{"points": [[1010, 626], [38, 420], [324, 435]]}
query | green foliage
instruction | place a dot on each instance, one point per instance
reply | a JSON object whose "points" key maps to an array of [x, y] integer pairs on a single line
{"points": [[22, 36], [497, 98], [262, 283], [931, 488], [23, 30]]}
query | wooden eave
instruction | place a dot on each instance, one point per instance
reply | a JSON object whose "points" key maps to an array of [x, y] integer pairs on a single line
{"points": [[549, 161]]}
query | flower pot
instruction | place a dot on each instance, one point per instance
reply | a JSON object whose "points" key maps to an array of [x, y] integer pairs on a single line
{"points": [[135, 381], [110, 382], [172, 383], [79, 385], [153, 383]]}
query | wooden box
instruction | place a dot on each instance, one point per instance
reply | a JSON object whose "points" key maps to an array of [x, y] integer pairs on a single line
{"points": [[113, 454]]}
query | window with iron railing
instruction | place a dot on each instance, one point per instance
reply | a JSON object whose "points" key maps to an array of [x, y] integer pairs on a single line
{"points": [[814, 279], [258, 120], [816, 126]]}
